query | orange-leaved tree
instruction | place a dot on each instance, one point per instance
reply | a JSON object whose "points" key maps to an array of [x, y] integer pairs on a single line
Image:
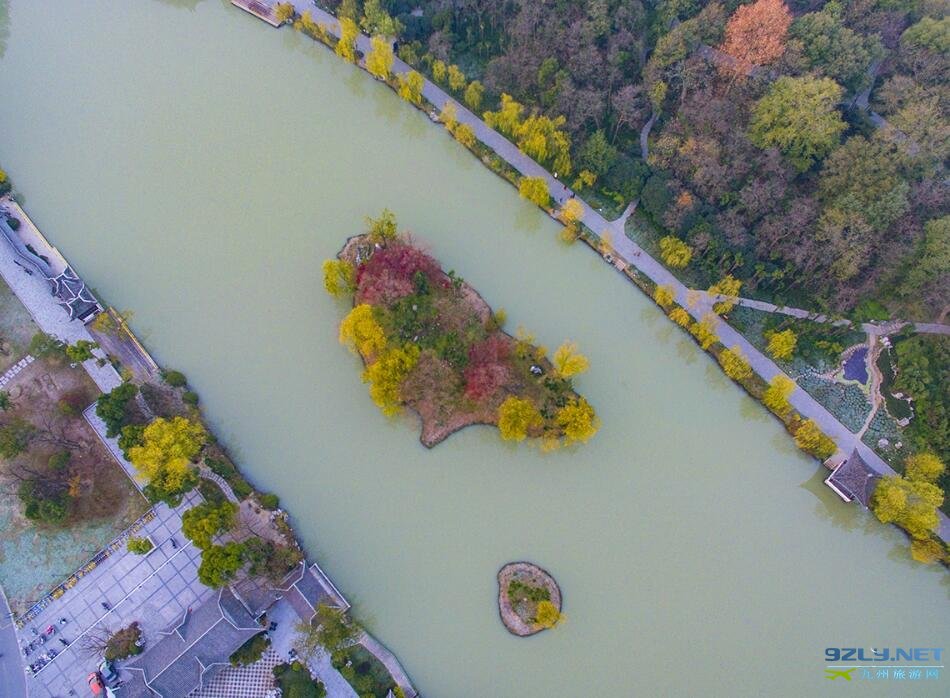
{"points": [[755, 34]]}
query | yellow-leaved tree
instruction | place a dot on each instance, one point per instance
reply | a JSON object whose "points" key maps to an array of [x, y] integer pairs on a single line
{"points": [[516, 417], [410, 86], [928, 551], [339, 277], [449, 115], [284, 11], [674, 252], [379, 61], [578, 420], [727, 287], [810, 438], [546, 614], [465, 135], [535, 190], [361, 331], [705, 330], [776, 395], [568, 361], [346, 46], [167, 450], [664, 296], [456, 78], [474, 94], [924, 467], [571, 212], [386, 375], [782, 344], [382, 229], [438, 70], [680, 317], [734, 363], [911, 504]]}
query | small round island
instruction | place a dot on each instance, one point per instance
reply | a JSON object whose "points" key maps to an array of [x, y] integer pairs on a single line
{"points": [[529, 600]]}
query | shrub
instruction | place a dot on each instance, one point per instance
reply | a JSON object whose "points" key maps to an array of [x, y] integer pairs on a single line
{"points": [[189, 397], [250, 651], [138, 546], [175, 379], [211, 492], [113, 407], [41, 505], [59, 461], [224, 468], [80, 351], [271, 560], [72, 403], [295, 682], [269, 501]]}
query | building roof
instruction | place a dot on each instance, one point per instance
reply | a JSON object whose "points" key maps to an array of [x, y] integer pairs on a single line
{"points": [[192, 650], [853, 479], [65, 285]]}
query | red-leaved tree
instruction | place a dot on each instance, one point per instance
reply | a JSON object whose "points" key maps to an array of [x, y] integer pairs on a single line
{"points": [[390, 273], [488, 368]]}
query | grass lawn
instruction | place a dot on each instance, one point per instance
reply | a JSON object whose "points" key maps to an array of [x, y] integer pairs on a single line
{"points": [[102, 501], [16, 328], [366, 674]]}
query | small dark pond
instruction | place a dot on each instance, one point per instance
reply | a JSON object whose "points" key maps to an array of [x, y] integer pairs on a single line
{"points": [[855, 368]]}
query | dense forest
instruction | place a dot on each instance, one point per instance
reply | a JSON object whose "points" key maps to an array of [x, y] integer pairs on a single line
{"points": [[799, 146]]}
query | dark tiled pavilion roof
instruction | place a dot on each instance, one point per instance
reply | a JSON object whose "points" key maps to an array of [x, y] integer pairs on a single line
{"points": [[854, 479], [193, 650]]}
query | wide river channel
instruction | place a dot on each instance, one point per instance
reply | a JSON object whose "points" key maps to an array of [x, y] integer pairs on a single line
{"points": [[196, 166]]}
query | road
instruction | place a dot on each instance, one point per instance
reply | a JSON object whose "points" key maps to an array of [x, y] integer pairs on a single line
{"points": [[12, 680]]}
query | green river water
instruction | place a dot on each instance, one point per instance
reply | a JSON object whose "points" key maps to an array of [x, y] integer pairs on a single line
{"points": [[197, 166]]}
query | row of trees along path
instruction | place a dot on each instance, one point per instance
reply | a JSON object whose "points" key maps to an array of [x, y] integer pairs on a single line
{"points": [[631, 253]]}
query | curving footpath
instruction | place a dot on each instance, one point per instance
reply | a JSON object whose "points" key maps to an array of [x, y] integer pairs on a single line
{"points": [[633, 254]]}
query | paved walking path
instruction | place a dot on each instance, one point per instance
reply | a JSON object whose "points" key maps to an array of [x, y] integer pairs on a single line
{"points": [[633, 254], [869, 327], [12, 678]]}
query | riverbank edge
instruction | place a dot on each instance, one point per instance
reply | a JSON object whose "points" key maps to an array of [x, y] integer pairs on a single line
{"points": [[487, 313], [511, 620], [372, 644], [603, 247]]}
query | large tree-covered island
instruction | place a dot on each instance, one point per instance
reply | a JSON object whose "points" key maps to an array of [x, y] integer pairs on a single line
{"points": [[431, 343]]}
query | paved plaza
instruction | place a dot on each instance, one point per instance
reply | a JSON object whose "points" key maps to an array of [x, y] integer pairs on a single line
{"points": [[154, 589]]}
